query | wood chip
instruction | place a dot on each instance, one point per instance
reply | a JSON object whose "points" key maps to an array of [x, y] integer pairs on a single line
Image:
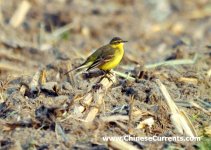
{"points": [[106, 82], [147, 122]]}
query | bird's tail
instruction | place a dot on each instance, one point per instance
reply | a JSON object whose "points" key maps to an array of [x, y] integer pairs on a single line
{"points": [[82, 66]]}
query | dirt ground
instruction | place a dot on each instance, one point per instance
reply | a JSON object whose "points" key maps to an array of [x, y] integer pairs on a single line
{"points": [[41, 108]]}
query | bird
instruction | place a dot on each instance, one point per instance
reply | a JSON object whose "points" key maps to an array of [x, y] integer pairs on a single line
{"points": [[104, 58]]}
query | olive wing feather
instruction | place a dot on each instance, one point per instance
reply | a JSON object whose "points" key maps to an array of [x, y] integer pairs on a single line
{"points": [[104, 54]]}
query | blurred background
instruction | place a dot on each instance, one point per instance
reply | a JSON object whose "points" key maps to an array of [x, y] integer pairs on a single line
{"points": [[73, 28], [56, 35]]}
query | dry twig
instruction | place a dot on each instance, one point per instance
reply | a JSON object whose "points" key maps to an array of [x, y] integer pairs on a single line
{"points": [[126, 76], [114, 118], [188, 80], [173, 62], [199, 107], [131, 110], [178, 117], [20, 14]]}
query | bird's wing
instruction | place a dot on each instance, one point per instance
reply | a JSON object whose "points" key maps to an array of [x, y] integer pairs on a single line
{"points": [[106, 53]]}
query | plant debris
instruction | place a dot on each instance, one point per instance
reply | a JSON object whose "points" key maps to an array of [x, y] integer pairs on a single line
{"points": [[161, 88]]}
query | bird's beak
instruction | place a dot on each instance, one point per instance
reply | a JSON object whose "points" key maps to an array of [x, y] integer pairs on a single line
{"points": [[124, 41]]}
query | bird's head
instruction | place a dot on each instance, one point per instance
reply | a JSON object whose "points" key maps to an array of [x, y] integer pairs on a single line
{"points": [[116, 42]]}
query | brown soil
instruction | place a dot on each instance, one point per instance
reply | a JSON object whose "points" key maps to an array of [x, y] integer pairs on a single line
{"points": [[40, 114]]}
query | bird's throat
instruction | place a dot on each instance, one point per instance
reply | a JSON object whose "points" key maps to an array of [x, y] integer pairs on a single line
{"points": [[118, 48]]}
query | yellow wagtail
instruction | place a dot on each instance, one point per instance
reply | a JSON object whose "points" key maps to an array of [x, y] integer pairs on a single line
{"points": [[106, 57]]}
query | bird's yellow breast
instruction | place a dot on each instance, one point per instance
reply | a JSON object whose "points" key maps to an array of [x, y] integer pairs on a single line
{"points": [[118, 54]]}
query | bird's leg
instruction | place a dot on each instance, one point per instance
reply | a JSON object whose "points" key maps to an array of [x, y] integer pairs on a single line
{"points": [[106, 75]]}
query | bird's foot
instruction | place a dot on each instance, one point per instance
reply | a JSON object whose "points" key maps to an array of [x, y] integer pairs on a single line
{"points": [[107, 75]]}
